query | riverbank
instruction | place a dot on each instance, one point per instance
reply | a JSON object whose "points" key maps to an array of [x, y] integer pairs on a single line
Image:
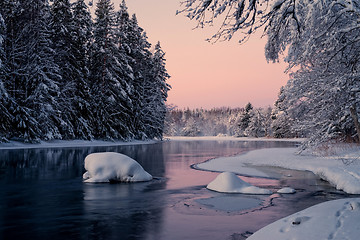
{"points": [[341, 167], [232, 138], [70, 143]]}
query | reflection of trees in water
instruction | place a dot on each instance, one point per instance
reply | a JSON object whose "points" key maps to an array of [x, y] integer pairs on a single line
{"points": [[190, 152], [42, 196], [124, 211], [69, 162]]}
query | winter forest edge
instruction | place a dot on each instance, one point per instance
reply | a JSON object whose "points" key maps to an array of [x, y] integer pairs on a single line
{"points": [[64, 75]]}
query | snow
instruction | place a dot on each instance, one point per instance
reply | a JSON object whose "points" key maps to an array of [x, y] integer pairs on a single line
{"points": [[69, 144], [341, 169], [232, 138], [337, 219], [228, 182], [286, 190], [111, 166]]}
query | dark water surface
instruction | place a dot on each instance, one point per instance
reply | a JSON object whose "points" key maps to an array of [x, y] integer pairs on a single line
{"points": [[42, 195]]}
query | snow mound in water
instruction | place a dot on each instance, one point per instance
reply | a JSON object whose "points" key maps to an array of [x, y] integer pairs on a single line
{"points": [[286, 190], [111, 166], [228, 182]]}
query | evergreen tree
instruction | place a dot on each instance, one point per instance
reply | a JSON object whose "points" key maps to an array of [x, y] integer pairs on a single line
{"points": [[246, 117], [109, 87], [281, 120], [156, 95], [82, 102], [62, 26], [135, 46], [6, 118], [38, 114]]}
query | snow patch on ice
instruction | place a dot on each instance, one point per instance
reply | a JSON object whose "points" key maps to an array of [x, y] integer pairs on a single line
{"points": [[228, 182], [111, 166]]}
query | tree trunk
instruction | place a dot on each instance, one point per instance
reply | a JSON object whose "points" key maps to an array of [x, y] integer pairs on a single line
{"points": [[356, 120]]}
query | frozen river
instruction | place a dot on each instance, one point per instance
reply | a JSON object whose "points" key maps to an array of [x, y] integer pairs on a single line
{"points": [[42, 195]]}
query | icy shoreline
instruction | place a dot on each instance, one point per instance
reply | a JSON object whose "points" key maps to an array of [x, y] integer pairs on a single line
{"points": [[341, 170], [231, 138], [70, 144], [99, 143]]}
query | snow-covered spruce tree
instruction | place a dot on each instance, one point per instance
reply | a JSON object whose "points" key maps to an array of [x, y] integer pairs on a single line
{"points": [[245, 118], [34, 76], [6, 117], [137, 49], [148, 92], [82, 35], [282, 122], [260, 123], [14, 49], [112, 103], [62, 35], [156, 95]]}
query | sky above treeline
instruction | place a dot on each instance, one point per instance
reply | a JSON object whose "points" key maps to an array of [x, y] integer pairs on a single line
{"points": [[203, 74]]}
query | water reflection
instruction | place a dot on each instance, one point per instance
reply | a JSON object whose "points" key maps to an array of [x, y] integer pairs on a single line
{"points": [[42, 195]]}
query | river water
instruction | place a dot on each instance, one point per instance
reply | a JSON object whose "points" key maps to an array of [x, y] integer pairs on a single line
{"points": [[42, 195]]}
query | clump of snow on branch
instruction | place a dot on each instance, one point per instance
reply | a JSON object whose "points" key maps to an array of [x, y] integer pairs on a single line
{"points": [[111, 166], [228, 182]]}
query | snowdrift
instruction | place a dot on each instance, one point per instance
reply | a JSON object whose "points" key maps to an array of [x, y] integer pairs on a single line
{"points": [[228, 182], [111, 166], [337, 219]]}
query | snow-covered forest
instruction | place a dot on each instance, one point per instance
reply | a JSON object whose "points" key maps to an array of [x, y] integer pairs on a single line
{"points": [[320, 42], [239, 122], [67, 75]]}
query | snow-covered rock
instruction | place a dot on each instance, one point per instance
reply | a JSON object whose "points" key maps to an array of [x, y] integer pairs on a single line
{"points": [[286, 190], [111, 166], [228, 182], [338, 219]]}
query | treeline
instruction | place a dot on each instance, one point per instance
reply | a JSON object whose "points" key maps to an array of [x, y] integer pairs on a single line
{"points": [[239, 122], [65, 75]]}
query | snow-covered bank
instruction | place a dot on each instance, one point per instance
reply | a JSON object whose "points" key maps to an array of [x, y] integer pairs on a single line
{"points": [[232, 138], [69, 143], [338, 219], [341, 170]]}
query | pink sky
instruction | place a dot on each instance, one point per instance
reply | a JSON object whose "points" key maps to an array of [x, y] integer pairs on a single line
{"points": [[203, 74]]}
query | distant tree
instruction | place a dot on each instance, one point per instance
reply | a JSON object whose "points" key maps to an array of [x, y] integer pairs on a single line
{"points": [[246, 117], [282, 122]]}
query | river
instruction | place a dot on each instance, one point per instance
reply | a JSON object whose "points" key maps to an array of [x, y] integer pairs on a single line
{"points": [[42, 195]]}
